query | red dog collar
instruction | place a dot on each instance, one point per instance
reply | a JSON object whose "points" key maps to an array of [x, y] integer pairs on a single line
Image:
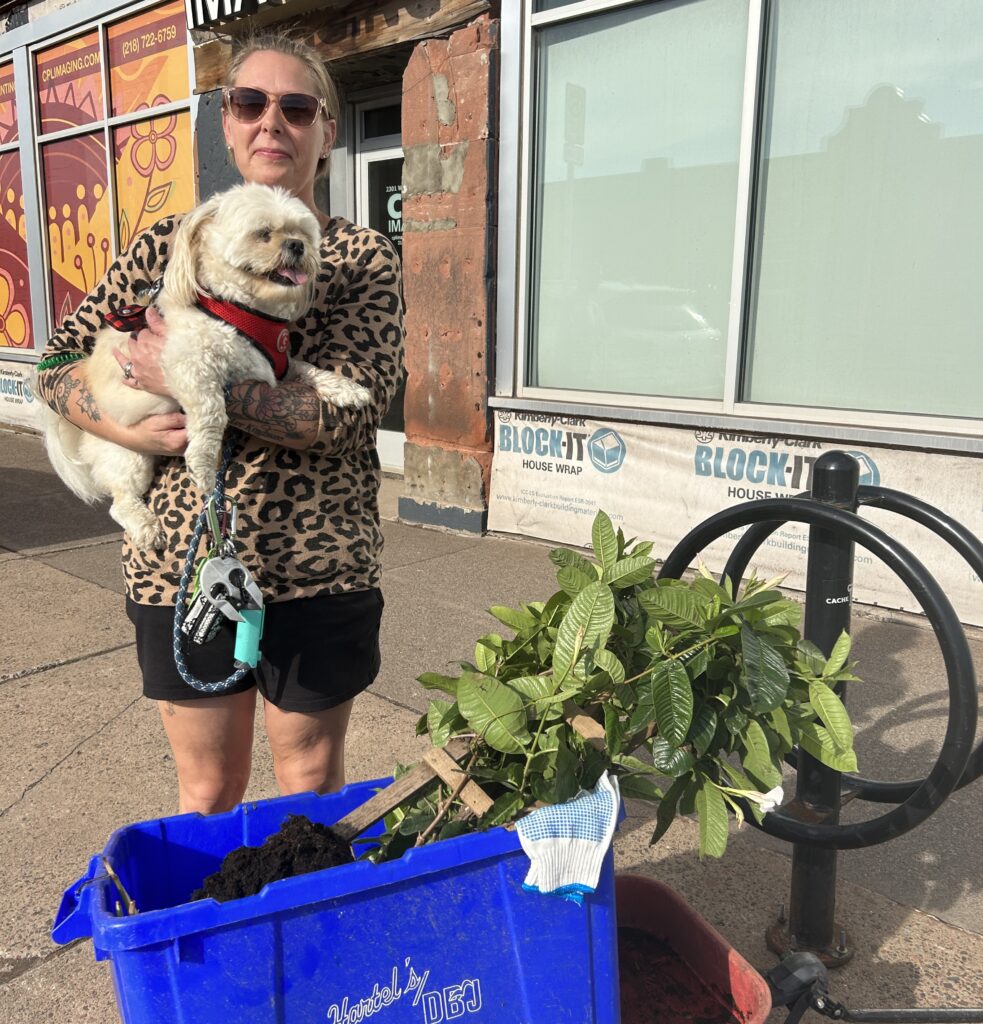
{"points": [[269, 335]]}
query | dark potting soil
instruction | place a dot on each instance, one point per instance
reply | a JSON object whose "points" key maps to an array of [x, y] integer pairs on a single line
{"points": [[300, 846], [657, 987]]}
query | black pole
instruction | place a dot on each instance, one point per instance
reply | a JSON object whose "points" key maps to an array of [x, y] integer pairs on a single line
{"points": [[829, 592]]}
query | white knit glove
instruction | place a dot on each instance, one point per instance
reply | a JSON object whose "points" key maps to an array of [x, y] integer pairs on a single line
{"points": [[566, 843]]}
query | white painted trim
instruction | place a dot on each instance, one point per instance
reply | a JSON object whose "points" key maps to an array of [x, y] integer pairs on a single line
{"points": [[740, 261], [510, 132], [811, 423]]}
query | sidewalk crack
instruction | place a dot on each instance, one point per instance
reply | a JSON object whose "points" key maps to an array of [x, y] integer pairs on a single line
{"points": [[85, 739], [9, 677], [14, 967]]}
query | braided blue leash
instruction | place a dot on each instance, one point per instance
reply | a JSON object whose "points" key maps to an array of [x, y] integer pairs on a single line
{"points": [[180, 605]]}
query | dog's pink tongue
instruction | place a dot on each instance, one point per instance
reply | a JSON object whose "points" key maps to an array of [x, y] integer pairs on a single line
{"points": [[294, 275]]}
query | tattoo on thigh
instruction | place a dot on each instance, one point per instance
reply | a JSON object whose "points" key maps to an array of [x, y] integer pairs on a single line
{"points": [[169, 708]]}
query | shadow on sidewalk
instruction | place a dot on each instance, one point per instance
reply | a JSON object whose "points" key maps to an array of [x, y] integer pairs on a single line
{"points": [[38, 511]]}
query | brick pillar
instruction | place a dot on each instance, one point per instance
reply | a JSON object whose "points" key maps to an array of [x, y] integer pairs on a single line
{"points": [[449, 142]]}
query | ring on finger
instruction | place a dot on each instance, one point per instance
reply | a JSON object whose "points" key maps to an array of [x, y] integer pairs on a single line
{"points": [[128, 371]]}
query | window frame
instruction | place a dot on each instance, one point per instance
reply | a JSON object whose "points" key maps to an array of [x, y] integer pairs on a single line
{"points": [[517, 105], [21, 46]]}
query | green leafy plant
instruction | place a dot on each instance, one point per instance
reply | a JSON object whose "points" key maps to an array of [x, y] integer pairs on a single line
{"points": [[691, 694]]}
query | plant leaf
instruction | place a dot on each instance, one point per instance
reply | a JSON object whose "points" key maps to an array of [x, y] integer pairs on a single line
{"points": [[628, 572], [435, 681], [714, 820], [587, 622], [562, 557], [439, 732], [504, 809], [779, 722], [812, 656], [834, 715], [673, 698], [484, 656], [495, 712], [671, 761], [572, 580], [516, 620], [815, 740], [666, 813], [539, 694], [674, 605], [757, 755], [838, 655], [641, 787], [703, 729], [605, 540], [607, 661], [764, 672]]}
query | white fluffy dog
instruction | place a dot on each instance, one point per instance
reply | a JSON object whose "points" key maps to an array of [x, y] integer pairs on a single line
{"points": [[252, 246]]}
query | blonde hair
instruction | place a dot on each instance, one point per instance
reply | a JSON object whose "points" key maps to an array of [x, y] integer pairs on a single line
{"points": [[290, 46]]}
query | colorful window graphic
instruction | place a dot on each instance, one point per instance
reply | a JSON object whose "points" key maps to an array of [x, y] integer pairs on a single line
{"points": [[77, 208], [69, 78], [8, 105], [148, 63], [15, 299], [153, 159]]}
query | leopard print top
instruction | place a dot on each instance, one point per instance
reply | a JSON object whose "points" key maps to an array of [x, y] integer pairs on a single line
{"points": [[308, 520]]}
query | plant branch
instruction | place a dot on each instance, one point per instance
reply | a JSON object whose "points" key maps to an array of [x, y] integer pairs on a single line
{"points": [[446, 805]]}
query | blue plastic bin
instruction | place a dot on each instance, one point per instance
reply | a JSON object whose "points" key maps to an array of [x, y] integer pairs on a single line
{"points": [[444, 934]]}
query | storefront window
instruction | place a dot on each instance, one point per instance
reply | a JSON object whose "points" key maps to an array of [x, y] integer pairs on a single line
{"points": [[857, 289], [79, 248], [95, 202], [69, 79], [634, 198], [8, 105], [151, 159], [867, 266], [15, 299], [147, 62]]}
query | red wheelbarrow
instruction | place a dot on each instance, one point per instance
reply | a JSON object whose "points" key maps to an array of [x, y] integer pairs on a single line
{"points": [[675, 968]]}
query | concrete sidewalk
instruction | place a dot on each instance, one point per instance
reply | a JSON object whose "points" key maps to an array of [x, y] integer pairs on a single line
{"points": [[83, 754]]}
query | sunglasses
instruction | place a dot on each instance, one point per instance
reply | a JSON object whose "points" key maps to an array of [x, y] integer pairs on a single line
{"points": [[249, 105]]}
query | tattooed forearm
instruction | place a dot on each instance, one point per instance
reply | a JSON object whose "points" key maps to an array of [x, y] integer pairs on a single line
{"points": [[288, 414], [87, 403], [68, 382], [62, 391]]}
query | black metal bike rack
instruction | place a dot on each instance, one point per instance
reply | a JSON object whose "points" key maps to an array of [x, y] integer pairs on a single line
{"points": [[811, 821]]}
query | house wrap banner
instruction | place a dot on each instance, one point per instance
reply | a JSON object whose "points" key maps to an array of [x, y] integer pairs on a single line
{"points": [[550, 475]]}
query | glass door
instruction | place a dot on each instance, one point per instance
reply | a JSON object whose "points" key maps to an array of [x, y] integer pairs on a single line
{"points": [[379, 205]]}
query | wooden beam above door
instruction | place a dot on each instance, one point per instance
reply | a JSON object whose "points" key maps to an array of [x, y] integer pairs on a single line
{"points": [[341, 31]]}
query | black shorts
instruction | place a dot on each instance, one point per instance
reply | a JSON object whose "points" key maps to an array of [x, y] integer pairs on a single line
{"points": [[317, 652]]}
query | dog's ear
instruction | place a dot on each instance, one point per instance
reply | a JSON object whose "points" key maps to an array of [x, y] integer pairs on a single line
{"points": [[180, 278]]}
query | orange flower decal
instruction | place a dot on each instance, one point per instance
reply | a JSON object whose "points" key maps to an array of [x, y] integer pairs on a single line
{"points": [[155, 146], [13, 319]]}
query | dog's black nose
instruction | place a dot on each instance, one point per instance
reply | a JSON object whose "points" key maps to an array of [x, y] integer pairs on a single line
{"points": [[294, 248]]}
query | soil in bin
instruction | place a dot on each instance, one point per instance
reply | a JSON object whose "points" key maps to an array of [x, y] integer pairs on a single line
{"points": [[657, 987], [300, 846]]}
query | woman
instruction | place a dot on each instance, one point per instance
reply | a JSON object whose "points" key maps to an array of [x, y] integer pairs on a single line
{"points": [[304, 476]]}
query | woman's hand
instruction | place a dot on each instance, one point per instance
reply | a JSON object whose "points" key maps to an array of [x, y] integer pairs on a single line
{"points": [[164, 434], [142, 356]]}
